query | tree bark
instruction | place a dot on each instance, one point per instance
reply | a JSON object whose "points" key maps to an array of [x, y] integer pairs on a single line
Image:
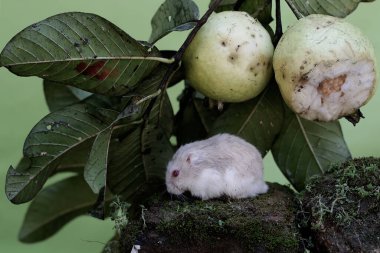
{"points": [[265, 223], [341, 209]]}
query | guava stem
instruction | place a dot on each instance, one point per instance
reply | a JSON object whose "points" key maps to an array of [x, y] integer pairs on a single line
{"points": [[278, 32], [238, 4]]}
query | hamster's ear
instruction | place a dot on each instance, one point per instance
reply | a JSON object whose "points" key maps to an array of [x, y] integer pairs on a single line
{"points": [[188, 159], [192, 158]]}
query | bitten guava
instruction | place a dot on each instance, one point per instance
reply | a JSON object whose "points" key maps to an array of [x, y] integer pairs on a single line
{"points": [[230, 58], [325, 68]]}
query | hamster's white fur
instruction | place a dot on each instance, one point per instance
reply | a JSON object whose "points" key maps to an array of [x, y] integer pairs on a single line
{"points": [[221, 165]]}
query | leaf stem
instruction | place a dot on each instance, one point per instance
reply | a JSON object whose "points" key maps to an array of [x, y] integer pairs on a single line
{"points": [[157, 93], [294, 9], [106, 58]]}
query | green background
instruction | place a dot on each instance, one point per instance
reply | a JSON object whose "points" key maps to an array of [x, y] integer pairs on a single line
{"points": [[22, 105]]}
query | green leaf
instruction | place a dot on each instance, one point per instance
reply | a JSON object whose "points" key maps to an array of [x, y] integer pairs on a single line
{"points": [[156, 147], [125, 174], [157, 151], [173, 15], [163, 115], [75, 161], [305, 148], [58, 95], [83, 50], [112, 246], [260, 9], [61, 141], [258, 120], [189, 127], [207, 116], [140, 157], [96, 167], [188, 124], [54, 206], [337, 8], [57, 135]]}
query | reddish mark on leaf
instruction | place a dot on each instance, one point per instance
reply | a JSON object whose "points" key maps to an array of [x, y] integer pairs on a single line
{"points": [[93, 70], [102, 75]]}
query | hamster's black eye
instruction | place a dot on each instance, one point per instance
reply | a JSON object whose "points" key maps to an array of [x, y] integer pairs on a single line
{"points": [[175, 173]]}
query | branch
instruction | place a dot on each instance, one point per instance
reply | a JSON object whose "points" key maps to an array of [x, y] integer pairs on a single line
{"points": [[178, 56], [189, 39]]}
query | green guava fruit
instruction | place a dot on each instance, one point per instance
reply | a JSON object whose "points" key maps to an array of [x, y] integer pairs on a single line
{"points": [[325, 68], [230, 58]]}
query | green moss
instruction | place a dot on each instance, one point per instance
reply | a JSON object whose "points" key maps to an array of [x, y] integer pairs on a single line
{"points": [[338, 195], [252, 222], [197, 221], [130, 235]]}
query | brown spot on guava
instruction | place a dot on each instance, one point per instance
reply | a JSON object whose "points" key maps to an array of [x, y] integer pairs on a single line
{"points": [[223, 43], [330, 85], [300, 88], [232, 57], [304, 78]]}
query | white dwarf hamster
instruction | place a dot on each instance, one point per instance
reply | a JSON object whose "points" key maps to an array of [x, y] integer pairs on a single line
{"points": [[221, 165]]}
